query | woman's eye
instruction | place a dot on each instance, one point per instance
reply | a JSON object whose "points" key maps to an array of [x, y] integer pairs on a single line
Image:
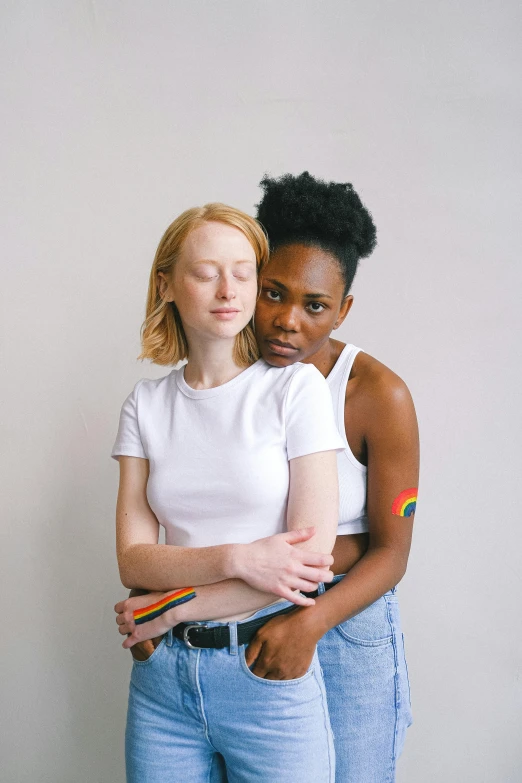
{"points": [[313, 305], [273, 295]]}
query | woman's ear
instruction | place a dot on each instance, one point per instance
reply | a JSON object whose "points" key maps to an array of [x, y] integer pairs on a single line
{"points": [[164, 287], [345, 309]]}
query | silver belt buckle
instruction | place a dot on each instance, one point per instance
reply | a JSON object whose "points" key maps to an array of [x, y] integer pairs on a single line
{"points": [[186, 633]]}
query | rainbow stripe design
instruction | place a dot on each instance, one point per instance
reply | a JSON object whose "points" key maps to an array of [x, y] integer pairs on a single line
{"points": [[404, 504], [154, 610]]}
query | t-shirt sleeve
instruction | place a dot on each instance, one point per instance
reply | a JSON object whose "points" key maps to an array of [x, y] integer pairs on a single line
{"points": [[309, 416], [128, 440]]}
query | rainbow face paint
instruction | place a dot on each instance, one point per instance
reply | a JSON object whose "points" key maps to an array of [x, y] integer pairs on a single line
{"points": [[154, 610], [404, 504]]}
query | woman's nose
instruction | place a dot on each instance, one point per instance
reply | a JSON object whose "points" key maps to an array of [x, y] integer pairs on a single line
{"points": [[286, 319], [226, 289]]}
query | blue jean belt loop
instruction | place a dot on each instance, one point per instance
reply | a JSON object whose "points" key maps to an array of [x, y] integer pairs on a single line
{"points": [[233, 649]]}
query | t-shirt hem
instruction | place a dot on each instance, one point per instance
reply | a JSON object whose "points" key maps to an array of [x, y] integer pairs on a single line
{"points": [[314, 450], [346, 530], [128, 451]]}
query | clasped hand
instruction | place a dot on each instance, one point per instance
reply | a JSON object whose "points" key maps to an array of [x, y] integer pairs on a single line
{"points": [[273, 565], [278, 565]]}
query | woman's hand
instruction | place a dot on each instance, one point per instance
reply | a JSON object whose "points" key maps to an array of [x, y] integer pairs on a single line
{"points": [[139, 633], [276, 565], [283, 648]]}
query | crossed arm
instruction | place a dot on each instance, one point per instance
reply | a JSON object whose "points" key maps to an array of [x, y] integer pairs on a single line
{"points": [[284, 646], [231, 581]]}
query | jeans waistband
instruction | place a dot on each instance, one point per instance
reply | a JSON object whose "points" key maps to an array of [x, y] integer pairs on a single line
{"points": [[337, 578]]}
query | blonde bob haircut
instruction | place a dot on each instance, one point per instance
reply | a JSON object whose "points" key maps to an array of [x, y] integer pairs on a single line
{"points": [[163, 338]]}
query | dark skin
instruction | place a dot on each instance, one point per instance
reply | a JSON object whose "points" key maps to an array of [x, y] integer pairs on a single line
{"points": [[302, 301]]}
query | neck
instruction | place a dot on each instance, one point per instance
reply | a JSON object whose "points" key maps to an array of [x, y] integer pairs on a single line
{"points": [[210, 363], [327, 355]]}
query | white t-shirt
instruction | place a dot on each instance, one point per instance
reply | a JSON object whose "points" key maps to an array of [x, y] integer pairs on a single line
{"points": [[218, 458]]}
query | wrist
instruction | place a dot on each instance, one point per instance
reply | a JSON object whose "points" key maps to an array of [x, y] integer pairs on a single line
{"points": [[311, 622], [234, 561], [173, 616]]}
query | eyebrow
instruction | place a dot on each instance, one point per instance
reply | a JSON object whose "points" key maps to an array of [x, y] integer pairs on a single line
{"points": [[306, 296]]}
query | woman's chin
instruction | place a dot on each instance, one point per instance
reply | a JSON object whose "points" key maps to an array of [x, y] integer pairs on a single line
{"points": [[276, 360]]}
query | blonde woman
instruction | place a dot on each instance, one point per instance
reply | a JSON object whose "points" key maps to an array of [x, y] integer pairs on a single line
{"points": [[226, 453]]}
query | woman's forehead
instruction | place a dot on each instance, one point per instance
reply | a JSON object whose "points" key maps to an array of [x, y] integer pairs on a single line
{"points": [[303, 267], [218, 241]]}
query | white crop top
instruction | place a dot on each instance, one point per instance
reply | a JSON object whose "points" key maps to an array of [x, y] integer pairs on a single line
{"points": [[352, 473], [218, 458]]}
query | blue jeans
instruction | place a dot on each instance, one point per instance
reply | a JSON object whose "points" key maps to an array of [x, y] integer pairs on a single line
{"points": [[366, 677], [186, 706]]}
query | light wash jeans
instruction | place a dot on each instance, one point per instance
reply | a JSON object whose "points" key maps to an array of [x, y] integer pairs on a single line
{"points": [[366, 678], [186, 706], [367, 686]]}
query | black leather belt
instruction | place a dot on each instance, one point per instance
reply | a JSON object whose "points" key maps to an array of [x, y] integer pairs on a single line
{"points": [[199, 635]]}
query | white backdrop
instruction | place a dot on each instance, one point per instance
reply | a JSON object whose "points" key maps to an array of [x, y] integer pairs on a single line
{"points": [[120, 115]]}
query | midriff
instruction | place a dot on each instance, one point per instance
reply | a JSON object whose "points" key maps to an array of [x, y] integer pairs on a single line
{"points": [[348, 550]]}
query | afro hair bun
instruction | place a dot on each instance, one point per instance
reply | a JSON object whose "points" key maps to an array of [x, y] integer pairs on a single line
{"points": [[304, 208]]}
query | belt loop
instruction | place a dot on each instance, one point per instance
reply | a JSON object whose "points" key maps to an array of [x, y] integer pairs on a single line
{"points": [[169, 638], [320, 588], [232, 628]]}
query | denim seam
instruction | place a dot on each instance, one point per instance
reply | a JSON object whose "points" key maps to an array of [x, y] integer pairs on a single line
{"points": [[364, 642], [407, 674], [397, 697], [328, 729], [271, 683], [201, 702], [152, 657]]}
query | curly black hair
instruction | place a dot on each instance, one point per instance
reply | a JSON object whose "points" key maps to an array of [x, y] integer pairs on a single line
{"points": [[311, 211]]}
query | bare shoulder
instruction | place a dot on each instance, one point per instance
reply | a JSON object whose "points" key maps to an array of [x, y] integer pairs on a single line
{"points": [[378, 391]]}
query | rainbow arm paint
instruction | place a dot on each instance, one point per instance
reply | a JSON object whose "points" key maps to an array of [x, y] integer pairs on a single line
{"points": [[405, 504], [155, 610]]}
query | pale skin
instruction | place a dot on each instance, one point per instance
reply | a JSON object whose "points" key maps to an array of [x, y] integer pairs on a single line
{"points": [[214, 286], [302, 300]]}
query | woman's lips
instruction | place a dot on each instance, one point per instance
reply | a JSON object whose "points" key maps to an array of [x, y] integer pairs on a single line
{"points": [[282, 350], [225, 315]]}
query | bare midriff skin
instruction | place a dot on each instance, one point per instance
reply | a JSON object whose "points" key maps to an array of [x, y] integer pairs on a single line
{"points": [[348, 550]]}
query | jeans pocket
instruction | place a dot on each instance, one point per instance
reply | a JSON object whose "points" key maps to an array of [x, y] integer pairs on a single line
{"points": [[142, 651], [277, 683], [153, 655], [370, 628]]}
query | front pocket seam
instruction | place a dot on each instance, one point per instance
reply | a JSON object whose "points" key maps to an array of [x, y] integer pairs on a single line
{"points": [[365, 642], [152, 656], [263, 681]]}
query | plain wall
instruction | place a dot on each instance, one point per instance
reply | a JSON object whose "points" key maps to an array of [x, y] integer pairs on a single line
{"points": [[122, 114]]}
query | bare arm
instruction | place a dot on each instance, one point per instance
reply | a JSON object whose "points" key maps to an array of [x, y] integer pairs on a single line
{"points": [[144, 563], [281, 564], [313, 495], [283, 648]]}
